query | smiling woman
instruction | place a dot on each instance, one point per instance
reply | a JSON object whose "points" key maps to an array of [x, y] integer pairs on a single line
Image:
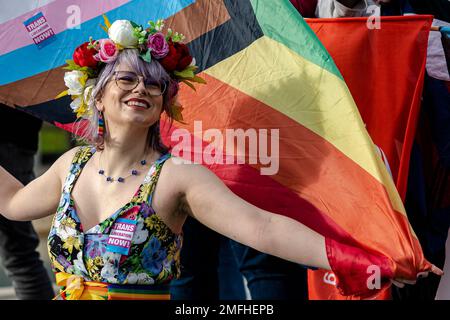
{"points": [[121, 237]]}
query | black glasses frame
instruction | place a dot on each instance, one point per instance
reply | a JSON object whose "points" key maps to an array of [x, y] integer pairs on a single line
{"points": [[163, 88]]}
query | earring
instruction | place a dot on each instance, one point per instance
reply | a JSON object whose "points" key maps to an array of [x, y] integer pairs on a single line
{"points": [[101, 125]]}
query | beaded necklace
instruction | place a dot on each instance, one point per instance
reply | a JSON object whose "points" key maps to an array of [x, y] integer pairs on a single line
{"points": [[133, 172]]}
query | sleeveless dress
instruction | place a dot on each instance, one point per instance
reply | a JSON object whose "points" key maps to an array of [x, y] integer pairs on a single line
{"points": [[144, 272]]}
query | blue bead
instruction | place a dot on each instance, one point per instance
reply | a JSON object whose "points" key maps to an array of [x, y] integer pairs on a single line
{"points": [[121, 179], [101, 171], [109, 179], [143, 162], [134, 172]]}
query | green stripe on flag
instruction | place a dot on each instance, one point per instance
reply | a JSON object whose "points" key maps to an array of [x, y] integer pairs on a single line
{"points": [[280, 21]]}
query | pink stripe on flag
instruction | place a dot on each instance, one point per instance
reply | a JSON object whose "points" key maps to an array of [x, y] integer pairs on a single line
{"points": [[14, 35]]}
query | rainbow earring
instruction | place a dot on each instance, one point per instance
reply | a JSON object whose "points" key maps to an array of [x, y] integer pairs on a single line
{"points": [[101, 125]]}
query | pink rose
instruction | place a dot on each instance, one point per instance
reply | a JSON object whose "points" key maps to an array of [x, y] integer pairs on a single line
{"points": [[158, 44], [107, 51]]}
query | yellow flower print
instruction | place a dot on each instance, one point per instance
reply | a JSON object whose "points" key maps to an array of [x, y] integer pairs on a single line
{"points": [[98, 261], [70, 243], [169, 257], [96, 277], [177, 255], [84, 155], [172, 249], [143, 194], [90, 266], [162, 275], [164, 233], [68, 222], [151, 222]]}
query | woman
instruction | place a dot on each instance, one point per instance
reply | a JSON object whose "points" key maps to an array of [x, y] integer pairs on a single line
{"points": [[103, 245]]}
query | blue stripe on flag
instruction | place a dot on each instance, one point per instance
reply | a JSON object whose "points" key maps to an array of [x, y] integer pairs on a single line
{"points": [[31, 60]]}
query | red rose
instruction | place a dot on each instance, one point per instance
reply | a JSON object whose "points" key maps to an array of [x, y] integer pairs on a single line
{"points": [[185, 57], [178, 57], [170, 61], [84, 57]]}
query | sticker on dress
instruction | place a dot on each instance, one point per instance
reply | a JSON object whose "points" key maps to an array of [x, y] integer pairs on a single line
{"points": [[119, 240]]}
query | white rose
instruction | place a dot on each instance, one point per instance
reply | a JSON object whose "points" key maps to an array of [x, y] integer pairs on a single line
{"points": [[76, 104], [72, 79], [122, 33]]}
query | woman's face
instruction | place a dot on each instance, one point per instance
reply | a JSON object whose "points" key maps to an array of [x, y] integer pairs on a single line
{"points": [[122, 104]]}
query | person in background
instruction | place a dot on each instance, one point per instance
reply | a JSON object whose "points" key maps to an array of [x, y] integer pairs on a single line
{"points": [[18, 239], [361, 8], [307, 8]]}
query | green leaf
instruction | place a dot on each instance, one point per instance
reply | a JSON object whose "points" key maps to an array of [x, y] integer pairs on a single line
{"points": [[147, 57], [71, 63], [135, 25], [189, 84], [198, 80], [185, 74], [193, 68]]}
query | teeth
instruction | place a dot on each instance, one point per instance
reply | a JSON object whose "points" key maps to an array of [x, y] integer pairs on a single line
{"points": [[137, 103]]}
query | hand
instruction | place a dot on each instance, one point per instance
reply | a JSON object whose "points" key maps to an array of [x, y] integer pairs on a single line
{"points": [[401, 282]]}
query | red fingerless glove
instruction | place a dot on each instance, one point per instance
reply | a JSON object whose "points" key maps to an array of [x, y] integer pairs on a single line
{"points": [[352, 267]]}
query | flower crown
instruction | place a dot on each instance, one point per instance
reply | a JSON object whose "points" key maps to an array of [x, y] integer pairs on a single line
{"points": [[90, 57]]}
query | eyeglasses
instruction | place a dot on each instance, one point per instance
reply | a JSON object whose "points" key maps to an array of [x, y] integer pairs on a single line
{"points": [[128, 80]]}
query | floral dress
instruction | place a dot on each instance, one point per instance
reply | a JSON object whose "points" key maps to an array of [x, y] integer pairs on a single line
{"points": [[153, 258]]}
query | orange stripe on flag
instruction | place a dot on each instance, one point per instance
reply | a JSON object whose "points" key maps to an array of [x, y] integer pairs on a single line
{"points": [[313, 169]]}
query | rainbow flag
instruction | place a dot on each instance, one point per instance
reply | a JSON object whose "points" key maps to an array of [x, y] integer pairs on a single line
{"points": [[266, 71]]}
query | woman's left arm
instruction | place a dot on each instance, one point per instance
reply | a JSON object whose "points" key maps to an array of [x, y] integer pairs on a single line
{"points": [[215, 206]]}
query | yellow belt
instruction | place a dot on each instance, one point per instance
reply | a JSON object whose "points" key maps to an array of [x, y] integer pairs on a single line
{"points": [[78, 289]]}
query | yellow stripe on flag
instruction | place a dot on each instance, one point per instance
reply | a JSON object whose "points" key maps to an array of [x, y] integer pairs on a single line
{"points": [[275, 75]]}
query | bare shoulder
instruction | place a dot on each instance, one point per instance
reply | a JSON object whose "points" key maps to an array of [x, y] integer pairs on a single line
{"points": [[185, 173], [61, 166]]}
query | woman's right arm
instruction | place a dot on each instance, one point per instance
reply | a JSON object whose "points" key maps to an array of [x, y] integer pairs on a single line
{"points": [[37, 199]]}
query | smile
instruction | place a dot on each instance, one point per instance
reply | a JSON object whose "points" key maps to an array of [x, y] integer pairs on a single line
{"points": [[138, 103]]}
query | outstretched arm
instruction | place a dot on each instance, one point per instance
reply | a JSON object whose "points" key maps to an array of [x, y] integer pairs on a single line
{"points": [[214, 205], [37, 199]]}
